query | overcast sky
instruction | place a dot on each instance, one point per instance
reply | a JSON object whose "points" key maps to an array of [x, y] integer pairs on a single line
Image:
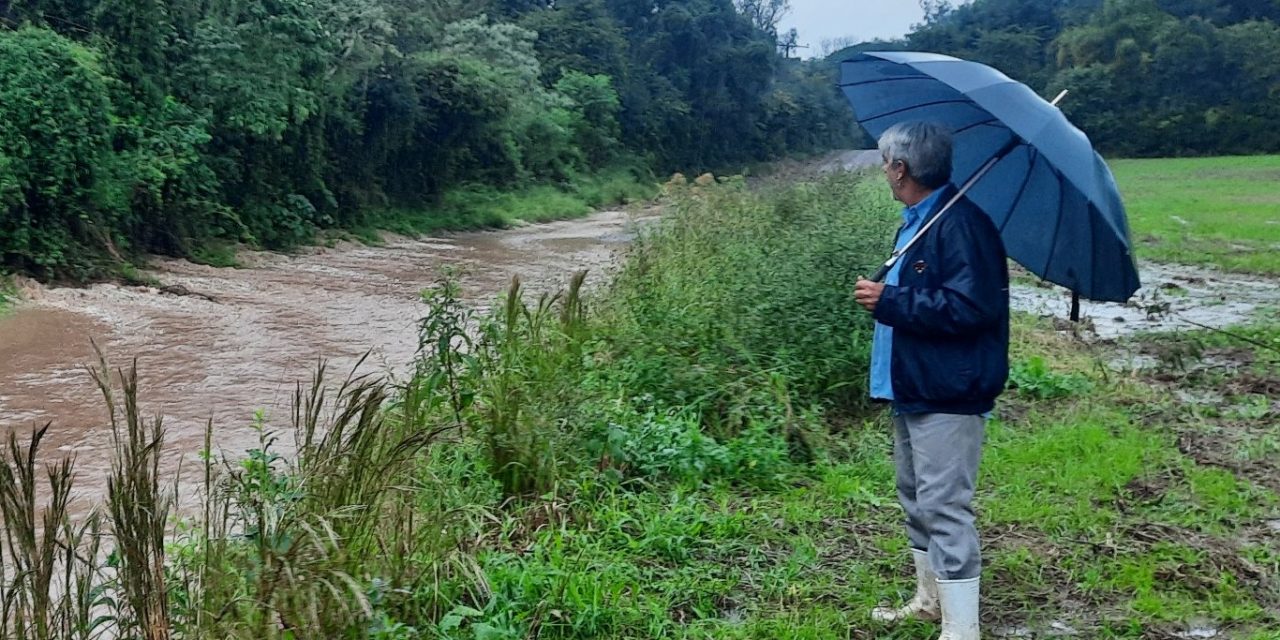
{"points": [[860, 19]]}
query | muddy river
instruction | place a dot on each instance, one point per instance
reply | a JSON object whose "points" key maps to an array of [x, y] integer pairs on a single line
{"points": [[248, 335]]}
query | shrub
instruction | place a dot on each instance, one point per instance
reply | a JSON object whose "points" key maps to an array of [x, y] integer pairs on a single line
{"points": [[55, 133], [1032, 377], [734, 285]]}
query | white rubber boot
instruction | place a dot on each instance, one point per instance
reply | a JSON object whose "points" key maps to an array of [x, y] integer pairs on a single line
{"points": [[959, 600], [924, 606]]}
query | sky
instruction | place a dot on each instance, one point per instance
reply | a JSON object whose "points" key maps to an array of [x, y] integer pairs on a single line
{"points": [[862, 20]]}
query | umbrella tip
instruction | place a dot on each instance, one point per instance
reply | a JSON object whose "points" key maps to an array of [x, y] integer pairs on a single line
{"points": [[1060, 97]]}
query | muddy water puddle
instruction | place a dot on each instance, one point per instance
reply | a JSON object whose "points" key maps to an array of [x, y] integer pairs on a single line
{"points": [[1173, 297], [243, 338]]}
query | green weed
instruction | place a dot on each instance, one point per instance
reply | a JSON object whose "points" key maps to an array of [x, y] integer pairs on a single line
{"points": [[316, 541], [31, 550], [1033, 378], [139, 508], [216, 254], [522, 388], [736, 293], [131, 275], [8, 293]]}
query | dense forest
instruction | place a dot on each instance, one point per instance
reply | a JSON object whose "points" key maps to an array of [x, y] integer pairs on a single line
{"points": [[163, 126], [1147, 77], [174, 126]]}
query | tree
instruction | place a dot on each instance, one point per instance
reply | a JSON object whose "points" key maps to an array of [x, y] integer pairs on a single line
{"points": [[935, 11], [53, 138], [829, 46], [581, 35], [764, 14], [595, 106]]}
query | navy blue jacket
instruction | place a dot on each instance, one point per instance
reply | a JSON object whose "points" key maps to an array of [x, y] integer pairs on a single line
{"points": [[950, 316]]}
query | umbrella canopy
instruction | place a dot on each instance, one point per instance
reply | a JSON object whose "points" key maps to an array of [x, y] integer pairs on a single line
{"points": [[1050, 194]]}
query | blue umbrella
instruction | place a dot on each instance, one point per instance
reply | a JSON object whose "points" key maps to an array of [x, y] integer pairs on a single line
{"points": [[1022, 162]]}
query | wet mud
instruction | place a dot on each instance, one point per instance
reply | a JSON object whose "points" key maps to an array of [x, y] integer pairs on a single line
{"points": [[1173, 297]]}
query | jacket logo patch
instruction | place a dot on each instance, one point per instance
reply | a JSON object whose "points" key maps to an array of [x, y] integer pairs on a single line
{"points": [[920, 266]]}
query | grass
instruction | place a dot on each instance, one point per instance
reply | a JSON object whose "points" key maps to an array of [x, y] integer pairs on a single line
{"points": [[216, 254], [481, 207], [1092, 516], [475, 208], [139, 507], [1218, 211], [688, 455], [8, 294], [130, 274]]}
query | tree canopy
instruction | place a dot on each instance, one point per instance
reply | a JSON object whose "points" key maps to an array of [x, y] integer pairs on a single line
{"points": [[161, 125], [1147, 77]]}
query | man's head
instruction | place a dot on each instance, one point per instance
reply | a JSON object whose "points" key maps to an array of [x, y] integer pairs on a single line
{"points": [[917, 158]]}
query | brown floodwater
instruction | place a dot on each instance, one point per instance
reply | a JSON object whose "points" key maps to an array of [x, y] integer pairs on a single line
{"points": [[252, 333]]}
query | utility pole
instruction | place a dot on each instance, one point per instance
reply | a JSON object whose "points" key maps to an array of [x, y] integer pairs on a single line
{"points": [[791, 43]]}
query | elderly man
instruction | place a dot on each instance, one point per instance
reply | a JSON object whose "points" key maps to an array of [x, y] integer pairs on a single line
{"points": [[940, 358]]}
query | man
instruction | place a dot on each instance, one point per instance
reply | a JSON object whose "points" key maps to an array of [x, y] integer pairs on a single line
{"points": [[940, 358]]}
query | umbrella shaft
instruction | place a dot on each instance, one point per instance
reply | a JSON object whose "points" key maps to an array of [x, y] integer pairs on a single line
{"points": [[884, 270]]}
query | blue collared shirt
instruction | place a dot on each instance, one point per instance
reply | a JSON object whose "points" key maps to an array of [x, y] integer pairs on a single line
{"points": [[882, 339]]}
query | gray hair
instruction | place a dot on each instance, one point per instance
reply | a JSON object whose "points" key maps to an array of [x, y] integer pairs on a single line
{"points": [[925, 147]]}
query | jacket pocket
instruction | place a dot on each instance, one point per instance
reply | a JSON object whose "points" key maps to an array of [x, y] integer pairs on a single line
{"points": [[935, 371]]}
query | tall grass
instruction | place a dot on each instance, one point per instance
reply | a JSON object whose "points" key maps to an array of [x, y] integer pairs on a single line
{"points": [[56, 582], [308, 545], [139, 508], [299, 546], [33, 541], [510, 378], [525, 387]]}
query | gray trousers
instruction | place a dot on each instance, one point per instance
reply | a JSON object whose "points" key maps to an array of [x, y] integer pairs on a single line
{"points": [[937, 456]]}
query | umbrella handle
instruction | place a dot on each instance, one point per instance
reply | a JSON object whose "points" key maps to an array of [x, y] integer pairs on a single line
{"points": [[880, 274]]}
